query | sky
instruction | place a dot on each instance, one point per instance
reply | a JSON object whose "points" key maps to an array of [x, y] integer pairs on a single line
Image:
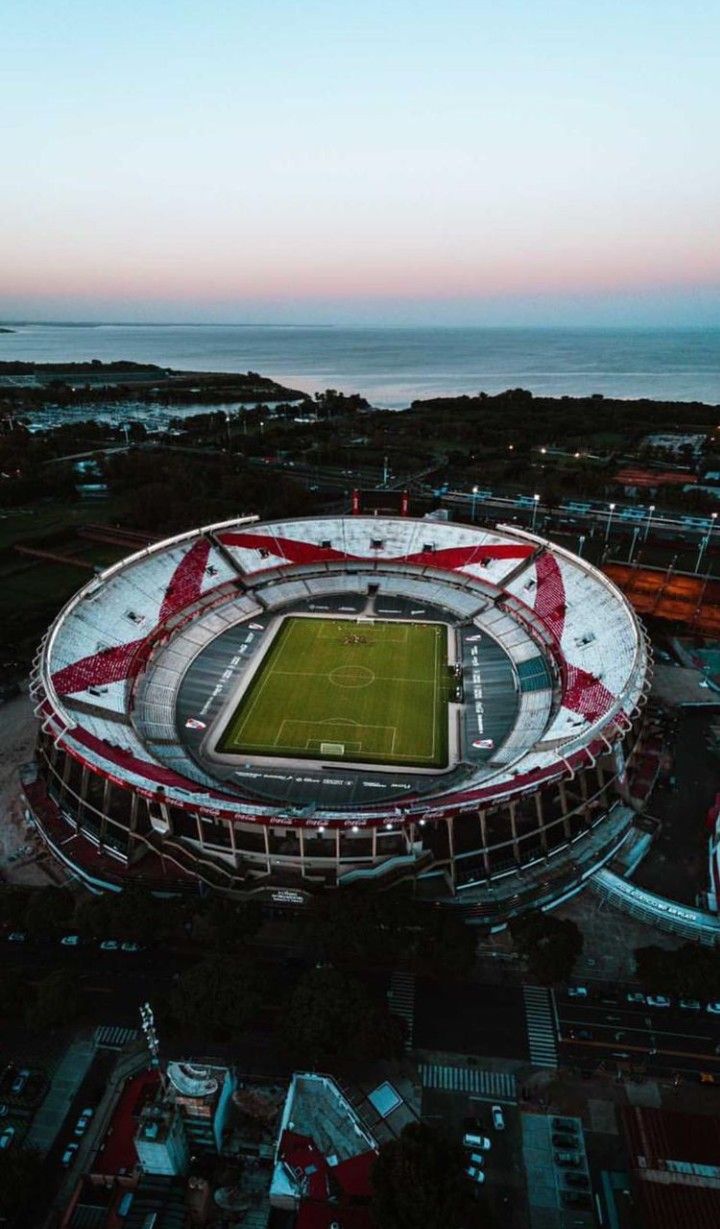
{"points": [[328, 161]]}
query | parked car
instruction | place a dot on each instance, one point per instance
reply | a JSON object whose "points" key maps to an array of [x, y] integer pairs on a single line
{"points": [[636, 997], [481, 1142], [131, 947], [690, 1004], [567, 1159], [17, 936], [69, 1155], [70, 941], [83, 1122], [575, 1199], [714, 1008], [4, 1110], [475, 1174], [577, 992], [658, 1000], [7, 1137], [18, 1085], [498, 1118], [109, 945], [476, 1158]]}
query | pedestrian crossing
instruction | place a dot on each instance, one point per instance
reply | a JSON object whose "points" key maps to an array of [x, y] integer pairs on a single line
{"points": [[401, 1002], [540, 1026], [114, 1037], [484, 1085]]}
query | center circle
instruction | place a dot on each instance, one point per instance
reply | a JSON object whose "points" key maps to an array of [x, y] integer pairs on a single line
{"points": [[351, 676]]}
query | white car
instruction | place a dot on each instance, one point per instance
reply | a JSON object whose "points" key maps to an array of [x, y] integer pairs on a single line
{"points": [[70, 941], [476, 1175], [498, 1118], [68, 1155], [577, 992], [476, 1158], [690, 1004], [7, 1138], [714, 1008], [83, 1122], [658, 1000], [109, 945], [16, 936], [636, 997], [480, 1142], [130, 947]]}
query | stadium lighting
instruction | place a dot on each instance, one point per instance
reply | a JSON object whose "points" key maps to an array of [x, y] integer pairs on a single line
{"points": [[321, 829], [543, 451], [422, 823], [355, 828], [611, 508], [536, 501], [651, 509], [474, 500]]}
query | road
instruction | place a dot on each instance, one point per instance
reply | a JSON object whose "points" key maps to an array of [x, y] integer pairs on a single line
{"points": [[606, 1029], [471, 1018]]}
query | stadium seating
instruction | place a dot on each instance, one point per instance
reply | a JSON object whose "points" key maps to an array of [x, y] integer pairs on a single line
{"points": [[105, 635]]}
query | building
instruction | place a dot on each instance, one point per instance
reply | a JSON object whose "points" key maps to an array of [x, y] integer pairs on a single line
{"points": [[323, 1158], [161, 1142], [675, 1167], [137, 678]]}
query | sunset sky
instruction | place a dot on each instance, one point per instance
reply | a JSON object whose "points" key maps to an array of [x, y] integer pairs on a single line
{"points": [[399, 162]]}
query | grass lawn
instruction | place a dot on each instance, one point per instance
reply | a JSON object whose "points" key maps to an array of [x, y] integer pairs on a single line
{"points": [[335, 689]]}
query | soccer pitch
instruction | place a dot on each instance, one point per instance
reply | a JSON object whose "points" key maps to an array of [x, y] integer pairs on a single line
{"points": [[336, 689]]}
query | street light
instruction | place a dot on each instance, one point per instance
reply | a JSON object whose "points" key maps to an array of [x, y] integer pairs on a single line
{"points": [[609, 521], [703, 544], [651, 509], [536, 501], [474, 500]]}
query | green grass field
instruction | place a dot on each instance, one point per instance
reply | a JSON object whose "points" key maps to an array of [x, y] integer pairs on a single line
{"points": [[335, 689]]}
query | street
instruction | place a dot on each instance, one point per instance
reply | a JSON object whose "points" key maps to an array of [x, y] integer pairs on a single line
{"points": [[607, 1029]]}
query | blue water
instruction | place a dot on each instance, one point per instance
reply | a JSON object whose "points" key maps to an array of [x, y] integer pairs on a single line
{"points": [[392, 366]]}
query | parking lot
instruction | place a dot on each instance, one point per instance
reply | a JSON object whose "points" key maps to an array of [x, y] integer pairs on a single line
{"points": [[503, 1194]]}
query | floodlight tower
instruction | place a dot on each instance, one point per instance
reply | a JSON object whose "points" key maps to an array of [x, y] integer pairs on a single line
{"points": [[147, 1021]]}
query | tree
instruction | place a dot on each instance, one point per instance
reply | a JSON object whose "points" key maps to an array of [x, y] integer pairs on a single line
{"points": [[360, 930], [689, 971], [13, 994], [21, 1177], [331, 1017], [549, 945], [219, 997], [49, 911], [54, 1003], [14, 902], [419, 1182], [225, 924]]}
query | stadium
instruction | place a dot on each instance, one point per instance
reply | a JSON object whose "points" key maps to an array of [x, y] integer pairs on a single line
{"points": [[270, 710]]}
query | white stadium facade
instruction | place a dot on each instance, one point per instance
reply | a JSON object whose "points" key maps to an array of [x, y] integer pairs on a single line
{"points": [[553, 669]]}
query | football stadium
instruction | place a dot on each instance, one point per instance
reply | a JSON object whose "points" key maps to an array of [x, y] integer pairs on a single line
{"points": [[271, 710]]}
